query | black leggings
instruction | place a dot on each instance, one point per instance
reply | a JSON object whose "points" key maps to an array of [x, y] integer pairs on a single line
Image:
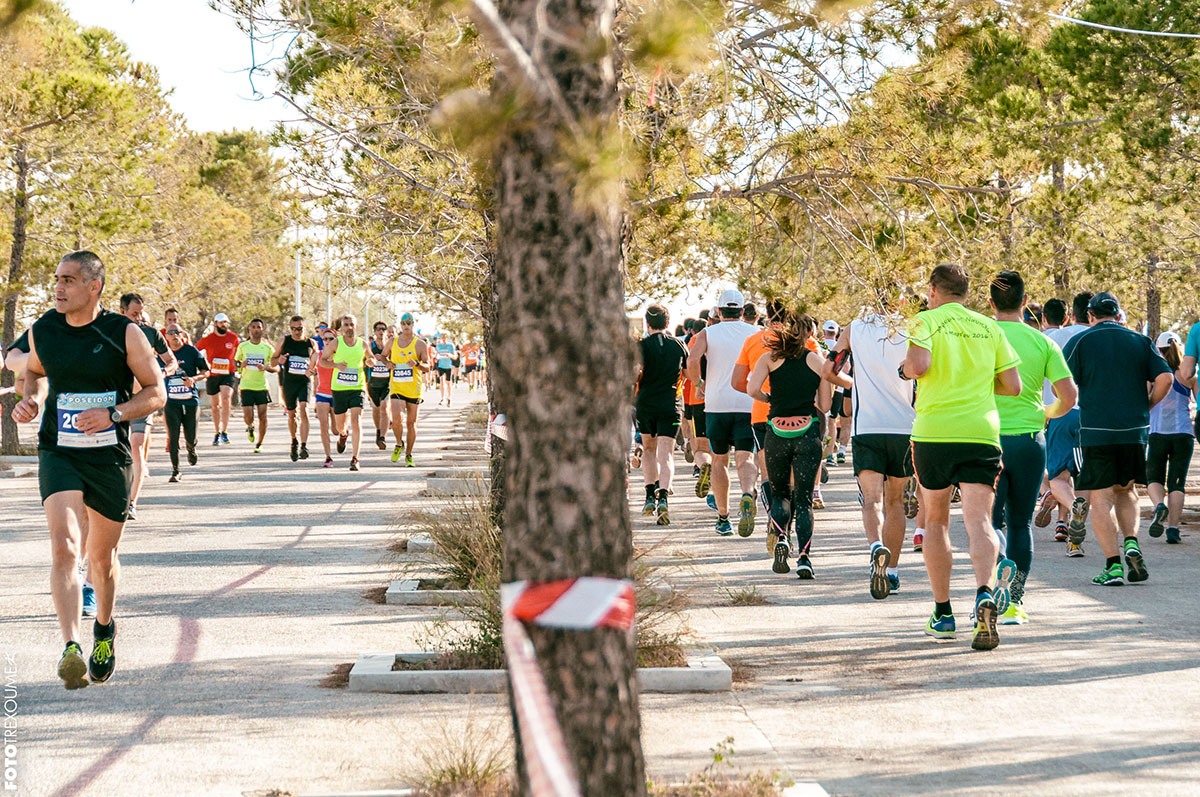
{"points": [[792, 464], [180, 415], [1167, 460]]}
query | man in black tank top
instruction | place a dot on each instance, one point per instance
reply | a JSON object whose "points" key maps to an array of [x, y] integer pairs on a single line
{"points": [[296, 356], [378, 384], [81, 369]]}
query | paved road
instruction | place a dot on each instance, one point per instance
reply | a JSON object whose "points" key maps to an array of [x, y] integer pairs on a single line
{"points": [[243, 588]]}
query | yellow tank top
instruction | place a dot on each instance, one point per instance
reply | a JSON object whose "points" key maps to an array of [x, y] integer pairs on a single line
{"points": [[406, 379], [353, 356]]}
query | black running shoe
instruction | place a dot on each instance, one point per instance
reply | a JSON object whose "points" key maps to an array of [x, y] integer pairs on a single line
{"points": [[295, 449], [192, 458], [1173, 536], [354, 463], [1135, 565], [1156, 522], [780, 565], [341, 444], [174, 477], [72, 668], [804, 568], [304, 451], [380, 441], [104, 654], [880, 587], [824, 475]]}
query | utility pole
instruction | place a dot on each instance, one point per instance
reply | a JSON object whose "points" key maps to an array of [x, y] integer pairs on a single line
{"points": [[328, 297], [298, 279]]}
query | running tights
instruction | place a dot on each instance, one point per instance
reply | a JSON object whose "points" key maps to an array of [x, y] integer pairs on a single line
{"points": [[792, 464], [179, 415], [1023, 460]]}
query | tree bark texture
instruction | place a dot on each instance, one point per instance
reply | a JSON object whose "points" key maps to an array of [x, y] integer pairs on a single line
{"points": [[562, 360], [9, 439], [1062, 270], [1153, 298]]}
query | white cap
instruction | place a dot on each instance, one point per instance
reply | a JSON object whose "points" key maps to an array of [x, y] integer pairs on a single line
{"points": [[731, 298], [221, 317], [831, 326], [1165, 338]]}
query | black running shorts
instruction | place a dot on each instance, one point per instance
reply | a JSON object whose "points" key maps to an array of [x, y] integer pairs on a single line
{"points": [[1112, 466], [729, 430], [657, 423], [255, 398], [694, 414], [377, 391], [294, 391], [213, 384], [940, 465], [443, 373], [889, 454], [406, 399], [344, 400], [1167, 460], [106, 488]]}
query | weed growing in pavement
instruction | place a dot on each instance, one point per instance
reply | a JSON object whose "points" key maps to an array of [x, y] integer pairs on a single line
{"points": [[747, 596], [376, 595], [338, 678], [716, 781], [476, 417], [475, 759]]}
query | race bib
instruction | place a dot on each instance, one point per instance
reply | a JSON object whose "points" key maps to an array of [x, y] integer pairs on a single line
{"points": [[379, 371], [220, 365], [255, 360], [69, 406], [297, 366], [403, 373], [178, 390], [347, 378]]}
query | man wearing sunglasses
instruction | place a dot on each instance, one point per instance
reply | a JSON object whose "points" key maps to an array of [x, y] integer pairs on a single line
{"points": [[296, 356], [409, 356]]}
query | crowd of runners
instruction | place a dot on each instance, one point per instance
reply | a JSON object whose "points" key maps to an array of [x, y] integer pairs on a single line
{"points": [[98, 378], [1038, 413]]}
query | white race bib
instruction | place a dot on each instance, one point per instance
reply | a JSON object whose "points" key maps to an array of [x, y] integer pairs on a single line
{"points": [[347, 378], [220, 365], [403, 373], [255, 360], [297, 366], [379, 371], [178, 390], [69, 405]]}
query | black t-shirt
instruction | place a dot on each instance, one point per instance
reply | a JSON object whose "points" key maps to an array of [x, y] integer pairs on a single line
{"points": [[1112, 365], [377, 374], [156, 339], [663, 361], [300, 349], [191, 362], [86, 367], [21, 344]]}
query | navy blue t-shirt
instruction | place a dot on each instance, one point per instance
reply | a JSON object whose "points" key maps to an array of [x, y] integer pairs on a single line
{"points": [[1112, 366], [191, 362]]}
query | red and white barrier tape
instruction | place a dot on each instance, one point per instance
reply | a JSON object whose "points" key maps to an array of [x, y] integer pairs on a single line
{"points": [[578, 604]]}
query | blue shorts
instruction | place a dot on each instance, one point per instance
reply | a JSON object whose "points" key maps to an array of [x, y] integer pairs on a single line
{"points": [[323, 399], [1063, 452]]}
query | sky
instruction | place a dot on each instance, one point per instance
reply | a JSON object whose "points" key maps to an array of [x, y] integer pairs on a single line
{"points": [[199, 53]]}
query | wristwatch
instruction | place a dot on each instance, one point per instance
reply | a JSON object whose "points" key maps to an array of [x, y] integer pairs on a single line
{"points": [[903, 376], [114, 415]]}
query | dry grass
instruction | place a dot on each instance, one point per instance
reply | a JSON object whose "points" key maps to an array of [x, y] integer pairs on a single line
{"points": [[376, 595], [742, 670], [476, 417], [747, 596], [717, 780], [338, 678], [474, 760], [398, 545]]}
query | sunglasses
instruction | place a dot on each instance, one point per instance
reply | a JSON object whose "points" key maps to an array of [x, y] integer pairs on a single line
{"points": [[174, 333], [297, 329], [327, 340]]}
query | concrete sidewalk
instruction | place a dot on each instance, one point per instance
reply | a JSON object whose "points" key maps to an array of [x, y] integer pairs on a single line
{"points": [[243, 588]]}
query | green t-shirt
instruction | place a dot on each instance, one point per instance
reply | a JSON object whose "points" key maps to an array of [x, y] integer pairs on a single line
{"points": [[1041, 359], [249, 355], [956, 402]]}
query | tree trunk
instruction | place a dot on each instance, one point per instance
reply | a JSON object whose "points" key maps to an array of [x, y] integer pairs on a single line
{"points": [[1153, 299], [9, 439], [489, 308], [561, 366], [1062, 273]]}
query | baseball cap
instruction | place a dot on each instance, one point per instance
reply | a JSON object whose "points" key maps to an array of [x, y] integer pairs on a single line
{"points": [[221, 317], [1165, 338], [831, 326], [1104, 303], [731, 298]]}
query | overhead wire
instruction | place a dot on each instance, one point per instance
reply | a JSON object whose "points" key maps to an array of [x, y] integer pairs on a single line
{"points": [[1110, 28]]}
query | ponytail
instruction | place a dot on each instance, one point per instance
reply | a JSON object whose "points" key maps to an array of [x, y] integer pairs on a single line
{"points": [[1173, 354]]}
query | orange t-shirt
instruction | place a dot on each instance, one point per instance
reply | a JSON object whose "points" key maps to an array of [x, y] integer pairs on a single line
{"points": [[688, 398], [754, 348]]}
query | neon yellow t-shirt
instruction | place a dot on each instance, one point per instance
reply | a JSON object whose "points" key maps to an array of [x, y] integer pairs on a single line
{"points": [[956, 402], [250, 355], [1041, 359]]}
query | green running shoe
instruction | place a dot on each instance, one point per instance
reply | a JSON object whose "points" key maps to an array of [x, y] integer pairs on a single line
{"points": [[664, 519], [408, 460], [1134, 562], [746, 521], [104, 656], [940, 627], [703, 480], [1111, 576], [648, 507], [1015, 615], [396, 452], [724, 529], [985, 636], [72, 668]]}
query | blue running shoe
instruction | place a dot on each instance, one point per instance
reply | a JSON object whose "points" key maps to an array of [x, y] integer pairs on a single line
{"points": [[711, 500], [893, 582], [1005, 571], [724, 527], [940, 627], [1156, 522], [89, 601]]}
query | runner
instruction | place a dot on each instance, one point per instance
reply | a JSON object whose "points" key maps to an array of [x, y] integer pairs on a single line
{"points": [[84, 461], [793, 442], [1171, 445], [662, 364], [183, 400], [471, 365], [350, 357], [254, 358], [378, 383], [171, 317], [409, 356], [1022, 419], [882, 421], [960, 360], [132, 307], [296, 357], [1112, 365], [219, 348], [753, 349], [839, 426], [445, 364], [324, 400], [693, 418], [1063, 455], [727, 412]]}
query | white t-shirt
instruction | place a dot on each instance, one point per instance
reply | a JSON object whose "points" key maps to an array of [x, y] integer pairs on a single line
{"points": [[1059, 336], [883, 402], [724, 347]]}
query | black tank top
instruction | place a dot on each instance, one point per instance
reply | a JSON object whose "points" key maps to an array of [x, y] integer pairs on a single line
{"points": [[793, 389], [296, 348], [86, 367]]}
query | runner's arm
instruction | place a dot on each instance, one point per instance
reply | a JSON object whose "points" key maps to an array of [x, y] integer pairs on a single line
{"points": [[170, 363], [422, 350], [1187, 371], [824, 399], [917, 361], [1007, 382], [326, 360], [1067, 395], [278, 357], [699, 349], [1162, 386], [36, 386], [758, 377]]}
